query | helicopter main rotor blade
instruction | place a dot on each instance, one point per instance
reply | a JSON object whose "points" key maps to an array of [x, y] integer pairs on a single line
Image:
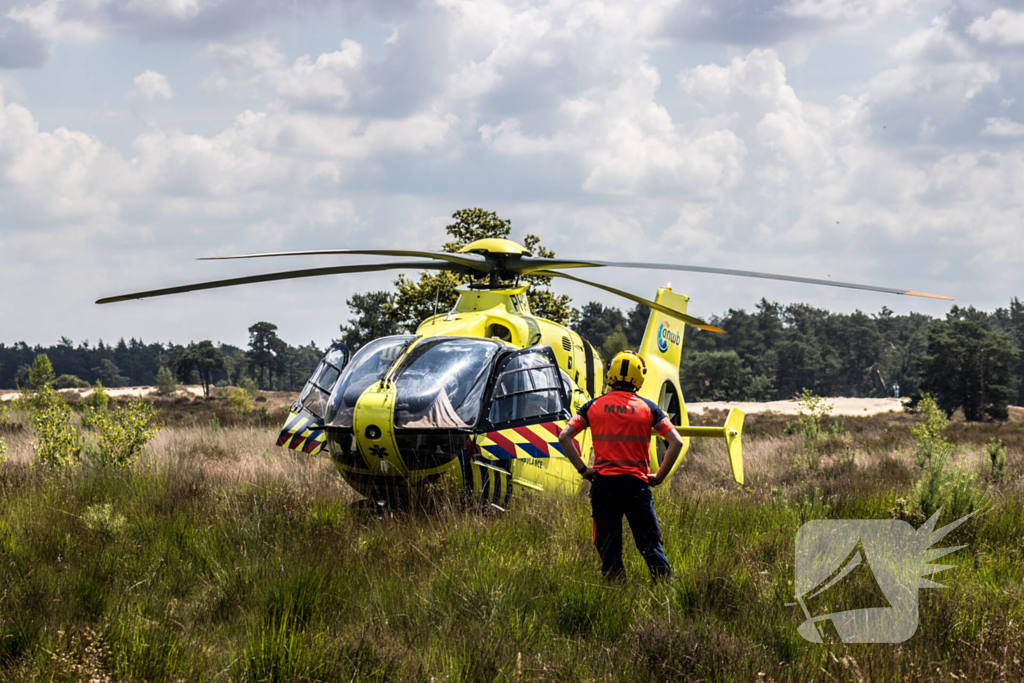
{"points": [[740, 273], [689, 319], [478, 263], [286, 275], [529, 265]]}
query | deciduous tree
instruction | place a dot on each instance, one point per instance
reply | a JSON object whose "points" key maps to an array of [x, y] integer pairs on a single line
{"points": [[416, 300], [374, 318], [204, 358]]}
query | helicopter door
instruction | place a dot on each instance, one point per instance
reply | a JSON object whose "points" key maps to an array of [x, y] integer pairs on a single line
{"points": [[317, 392], [527, 390], [304, 430]]}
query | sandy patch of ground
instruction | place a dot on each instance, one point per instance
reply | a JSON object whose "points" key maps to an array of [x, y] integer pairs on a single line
{"points": [[192, 390], [840, 406]]}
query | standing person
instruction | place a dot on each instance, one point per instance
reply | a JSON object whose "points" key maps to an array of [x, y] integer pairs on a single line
{"points": [[895, 390], [620, 423]]}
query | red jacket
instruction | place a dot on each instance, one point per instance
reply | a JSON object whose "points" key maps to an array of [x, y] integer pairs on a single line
{"points": [[620, 425]]}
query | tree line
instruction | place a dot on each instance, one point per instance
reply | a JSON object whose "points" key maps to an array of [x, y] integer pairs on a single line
{"points": [[970, 359], [268, 363]]}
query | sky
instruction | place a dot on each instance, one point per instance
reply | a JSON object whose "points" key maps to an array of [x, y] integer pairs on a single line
{"points": [[874, 141]]}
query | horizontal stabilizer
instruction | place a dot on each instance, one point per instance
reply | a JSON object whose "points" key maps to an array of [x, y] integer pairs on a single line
{"points": [[732, 432]]}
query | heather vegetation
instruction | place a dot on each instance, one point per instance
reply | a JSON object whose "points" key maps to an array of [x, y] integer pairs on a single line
{"points": [[213, 555]]}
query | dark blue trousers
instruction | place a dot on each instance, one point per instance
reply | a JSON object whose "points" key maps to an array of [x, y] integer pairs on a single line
{"points": [[623, 494]]}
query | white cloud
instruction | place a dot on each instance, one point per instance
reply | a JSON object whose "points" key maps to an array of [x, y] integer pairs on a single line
{"points": [[1002, 127], [262, 157], [261, 54], [795, 139], [842, 11], [349, 138], [33, 27], [629, 145], [326, 79], [150, 85], [937, 74], [759, 77], [953, 82], [167, 9], [503, 33], [935, 44], [1003, 26], [49, 20], [580, 115], [63, 173]]}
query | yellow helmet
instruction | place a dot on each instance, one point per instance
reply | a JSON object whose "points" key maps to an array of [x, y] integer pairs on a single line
{"points": [[627, 366]]}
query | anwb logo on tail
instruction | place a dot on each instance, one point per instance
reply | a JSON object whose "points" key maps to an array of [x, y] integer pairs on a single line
{"points": [[665, 335]]}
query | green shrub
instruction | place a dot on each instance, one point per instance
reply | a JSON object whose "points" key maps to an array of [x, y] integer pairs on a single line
{"points": [[70, 382], [928, 432], [813, 410], [6, 422], [57, 444], [3, 450], [249, 386], [214, 424], [955, 490], [98, 399], [94, 406], [962, 494], [997, 454], [165, 382], [102, 519], [238, 400], [125, 432], [41, 374], [88, 416]]}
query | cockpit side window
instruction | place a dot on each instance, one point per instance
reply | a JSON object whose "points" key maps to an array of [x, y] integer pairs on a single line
{"points": [[368, 365], [528, 389], [316, 394]]}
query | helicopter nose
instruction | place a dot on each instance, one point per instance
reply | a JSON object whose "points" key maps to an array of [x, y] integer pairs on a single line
{"points": [[373, 430]]}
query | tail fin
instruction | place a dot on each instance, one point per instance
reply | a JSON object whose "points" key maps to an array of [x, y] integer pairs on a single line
{"points": [[663, 338]]}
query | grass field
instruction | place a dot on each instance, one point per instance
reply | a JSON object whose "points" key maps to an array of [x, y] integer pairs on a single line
{"points": [[220, 557]]}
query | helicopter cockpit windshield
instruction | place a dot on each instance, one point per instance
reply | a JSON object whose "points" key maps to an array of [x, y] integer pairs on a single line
{"points": [[441, 384], [368, 365]]}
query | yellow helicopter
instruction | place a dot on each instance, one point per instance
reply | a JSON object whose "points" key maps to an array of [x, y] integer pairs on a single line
{"points": [[475, 399]]}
